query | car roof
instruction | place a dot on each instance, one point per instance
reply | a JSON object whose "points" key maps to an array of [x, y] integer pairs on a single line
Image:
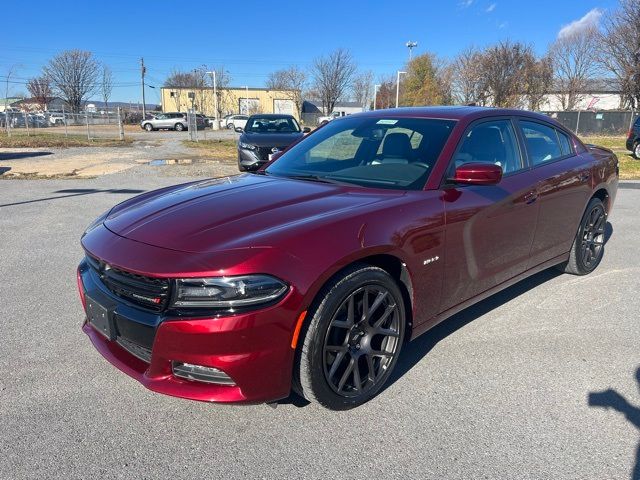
{"points": [[272, 115], [451, 112]]}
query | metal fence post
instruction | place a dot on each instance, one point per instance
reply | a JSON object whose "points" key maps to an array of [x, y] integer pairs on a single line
{"points": [[26, 123], [578, 122], [120, 127], [64, 121], [86, 116]]}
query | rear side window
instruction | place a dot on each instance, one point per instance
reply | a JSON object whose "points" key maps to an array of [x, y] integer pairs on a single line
{"points": [[565, 143], [542, 142]]}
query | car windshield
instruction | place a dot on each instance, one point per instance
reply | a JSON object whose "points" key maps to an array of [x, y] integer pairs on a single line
{"points": [[272, 125], [396, 153]]}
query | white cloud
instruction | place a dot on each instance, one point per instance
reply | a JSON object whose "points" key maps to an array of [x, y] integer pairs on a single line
{"points": [[465, 3], [590, 19], [503, 25], [491, 7]]}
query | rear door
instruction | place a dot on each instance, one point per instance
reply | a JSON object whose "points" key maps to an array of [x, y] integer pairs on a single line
{"points": [[489, 228], [563, 186]]}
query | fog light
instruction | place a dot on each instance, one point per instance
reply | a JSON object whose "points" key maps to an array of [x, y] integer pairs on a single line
{"points": [[199, 373]]}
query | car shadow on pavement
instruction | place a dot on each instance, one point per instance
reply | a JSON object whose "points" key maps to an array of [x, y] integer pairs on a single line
{"points": [[75, 192], [4, 170], [611, 399], [4, 156]]}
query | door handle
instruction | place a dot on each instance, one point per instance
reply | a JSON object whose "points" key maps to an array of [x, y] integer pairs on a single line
{"points": [[530, 197]]}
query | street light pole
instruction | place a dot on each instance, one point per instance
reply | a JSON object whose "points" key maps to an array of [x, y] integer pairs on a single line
{"points": [[246, 94], [398, 86], [411, 45], [375, 96]]}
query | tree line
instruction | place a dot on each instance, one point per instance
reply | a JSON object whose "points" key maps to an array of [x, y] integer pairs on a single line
{"points": [[508, 74]]}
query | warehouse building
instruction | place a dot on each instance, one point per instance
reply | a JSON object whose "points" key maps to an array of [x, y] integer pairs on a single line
{"points": [[231, 100]]}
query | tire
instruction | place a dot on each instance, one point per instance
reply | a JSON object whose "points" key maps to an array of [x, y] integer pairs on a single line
{"points": [[636, 150], [178, 127], [230, 126], [340, 348], [588, 246], [148, 127]]}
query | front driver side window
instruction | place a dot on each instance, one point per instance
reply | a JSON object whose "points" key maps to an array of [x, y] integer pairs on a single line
{"points": [[490, 142]]}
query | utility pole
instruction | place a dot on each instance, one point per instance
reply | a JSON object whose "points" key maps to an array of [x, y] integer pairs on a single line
{"points": [[143, 70], [216, 124]]}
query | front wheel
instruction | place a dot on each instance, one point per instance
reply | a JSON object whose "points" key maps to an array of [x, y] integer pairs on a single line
{"points": [[353, 339], [148, 127], [179, 127], [636, 150], [588, 246]]}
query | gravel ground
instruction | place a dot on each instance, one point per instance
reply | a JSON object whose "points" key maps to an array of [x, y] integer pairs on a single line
{"points": [[95, 161], [501, 390]]}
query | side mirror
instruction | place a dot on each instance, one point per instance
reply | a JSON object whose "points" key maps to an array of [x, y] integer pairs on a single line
{"points": [[239, 129], [477, 174], [306, 130]]}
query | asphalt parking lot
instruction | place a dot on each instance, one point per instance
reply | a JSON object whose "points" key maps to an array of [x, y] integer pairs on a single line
{"points": [[502, 390]]}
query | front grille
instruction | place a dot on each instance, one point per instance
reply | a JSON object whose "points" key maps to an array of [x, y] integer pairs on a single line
{"points": [[263, 152], [147, 292]]}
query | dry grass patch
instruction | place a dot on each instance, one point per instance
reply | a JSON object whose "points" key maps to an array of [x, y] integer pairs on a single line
{"points": [[629, 166], [57, 141], [218, 149]]}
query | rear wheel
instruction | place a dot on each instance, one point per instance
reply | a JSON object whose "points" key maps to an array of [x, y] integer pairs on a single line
{"points": [[179, 127], [588, 246], [636, 150], [353, 339]]}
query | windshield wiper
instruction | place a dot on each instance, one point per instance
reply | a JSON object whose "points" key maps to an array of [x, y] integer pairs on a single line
{"points": [[316, 178]]}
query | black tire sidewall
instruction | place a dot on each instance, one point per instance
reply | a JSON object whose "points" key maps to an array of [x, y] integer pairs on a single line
{"points": [[330, 300], [595, 202], [179, 127]]}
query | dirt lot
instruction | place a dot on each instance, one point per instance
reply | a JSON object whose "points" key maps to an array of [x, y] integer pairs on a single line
{"points": [[216, 154]]}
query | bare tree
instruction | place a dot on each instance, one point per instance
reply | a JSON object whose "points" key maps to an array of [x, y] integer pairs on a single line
{"points": [[40, 90], [291, 81], [386, 92], [332, 76], [74, 76], [509, 75], [106, 85], [222, 83], [178, 81], [468, 81], [363, 88], [620, 48], [574, 63], [538, 79]]}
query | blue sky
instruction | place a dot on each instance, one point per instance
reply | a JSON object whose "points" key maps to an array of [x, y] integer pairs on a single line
{"points": [[252, 38]]}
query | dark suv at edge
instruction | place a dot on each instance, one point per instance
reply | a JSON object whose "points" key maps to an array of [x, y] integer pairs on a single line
{"points": [[633, 139]]}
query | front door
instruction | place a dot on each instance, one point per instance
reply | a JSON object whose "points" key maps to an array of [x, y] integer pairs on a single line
{"points": [[489, 228]]}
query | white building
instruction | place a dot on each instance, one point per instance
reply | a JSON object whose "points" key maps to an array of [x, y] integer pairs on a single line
{"points": [[603, 94]]}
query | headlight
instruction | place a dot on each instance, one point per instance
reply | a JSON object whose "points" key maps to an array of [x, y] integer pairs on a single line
{"points": [[228, 292], [247, 146], [97, 222]]}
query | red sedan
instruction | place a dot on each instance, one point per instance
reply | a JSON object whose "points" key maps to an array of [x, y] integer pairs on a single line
{"points": [[313, 273]]}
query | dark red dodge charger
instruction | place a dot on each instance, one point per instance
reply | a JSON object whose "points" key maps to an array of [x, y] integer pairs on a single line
{"points": [[313, 272]]}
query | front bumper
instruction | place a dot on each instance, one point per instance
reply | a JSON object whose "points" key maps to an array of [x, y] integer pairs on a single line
{"points": [[253, 348], [249, 159]]}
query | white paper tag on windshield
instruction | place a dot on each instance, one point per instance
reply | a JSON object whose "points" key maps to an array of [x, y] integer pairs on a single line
{"points": [[386, 121]]}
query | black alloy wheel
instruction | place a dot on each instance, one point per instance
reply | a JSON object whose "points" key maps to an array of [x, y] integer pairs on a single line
{"points": [[351, 339]]}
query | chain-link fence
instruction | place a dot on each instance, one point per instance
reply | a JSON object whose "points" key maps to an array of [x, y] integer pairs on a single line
{"points": [[596, 123], [88, 125]]}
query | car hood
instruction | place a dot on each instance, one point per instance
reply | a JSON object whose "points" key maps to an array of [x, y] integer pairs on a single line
{"points": [[270, 139], [236, 212]]}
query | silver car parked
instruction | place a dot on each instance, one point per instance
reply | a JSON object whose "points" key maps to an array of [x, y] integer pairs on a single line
{"points": [[170, 120]]}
